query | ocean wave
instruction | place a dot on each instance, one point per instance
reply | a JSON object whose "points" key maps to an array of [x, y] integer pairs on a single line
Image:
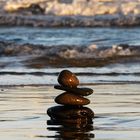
{"points": [[76, 7], [70, 55], [72, 13], [68, 51]]}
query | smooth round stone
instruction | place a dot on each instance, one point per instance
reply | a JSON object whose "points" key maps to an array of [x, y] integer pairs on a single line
{"points": [[69, 112], [67, 98], [68, 79], [78, 91]]}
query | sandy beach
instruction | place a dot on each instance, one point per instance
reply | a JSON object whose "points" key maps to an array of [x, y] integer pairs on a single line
{"points": [[116, 108]]}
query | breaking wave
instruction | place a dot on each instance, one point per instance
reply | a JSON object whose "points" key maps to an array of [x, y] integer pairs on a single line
{"points": [[70, 55], [68, 51], [77, 7], [72, 13]]}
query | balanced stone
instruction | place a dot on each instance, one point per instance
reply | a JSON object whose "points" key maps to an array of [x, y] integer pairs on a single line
{"points": [[69, 112], [78, 91], [67, 98], [68, 79]]}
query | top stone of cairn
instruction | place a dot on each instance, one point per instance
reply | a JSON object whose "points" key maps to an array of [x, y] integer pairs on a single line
{"points": [[68, 79]]}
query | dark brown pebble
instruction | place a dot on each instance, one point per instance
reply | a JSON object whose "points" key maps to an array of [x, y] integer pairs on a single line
{"points": [[67, 98], [78, 91], [69, 112], [68, 79]]}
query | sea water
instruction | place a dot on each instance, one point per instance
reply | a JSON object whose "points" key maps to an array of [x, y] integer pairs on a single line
{"points": [[99, 60], [35, 56]]}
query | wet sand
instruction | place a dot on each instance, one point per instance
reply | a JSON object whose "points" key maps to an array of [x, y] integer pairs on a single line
{"points": [[23, 113]]}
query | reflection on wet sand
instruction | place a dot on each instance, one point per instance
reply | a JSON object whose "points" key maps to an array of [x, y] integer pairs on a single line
{"points": [[116, 106]]}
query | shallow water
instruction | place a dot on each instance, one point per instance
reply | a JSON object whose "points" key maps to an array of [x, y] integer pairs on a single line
{"points": [[116, 107]]}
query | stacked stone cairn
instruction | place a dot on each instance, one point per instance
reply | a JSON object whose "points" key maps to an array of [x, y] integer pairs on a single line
{"points": [[71, 109]]}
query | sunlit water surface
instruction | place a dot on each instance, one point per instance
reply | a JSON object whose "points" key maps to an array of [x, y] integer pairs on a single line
{"points": [[116, 107]]}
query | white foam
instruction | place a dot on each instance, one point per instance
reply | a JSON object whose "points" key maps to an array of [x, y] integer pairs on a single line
{"points": [[80, 7]]}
